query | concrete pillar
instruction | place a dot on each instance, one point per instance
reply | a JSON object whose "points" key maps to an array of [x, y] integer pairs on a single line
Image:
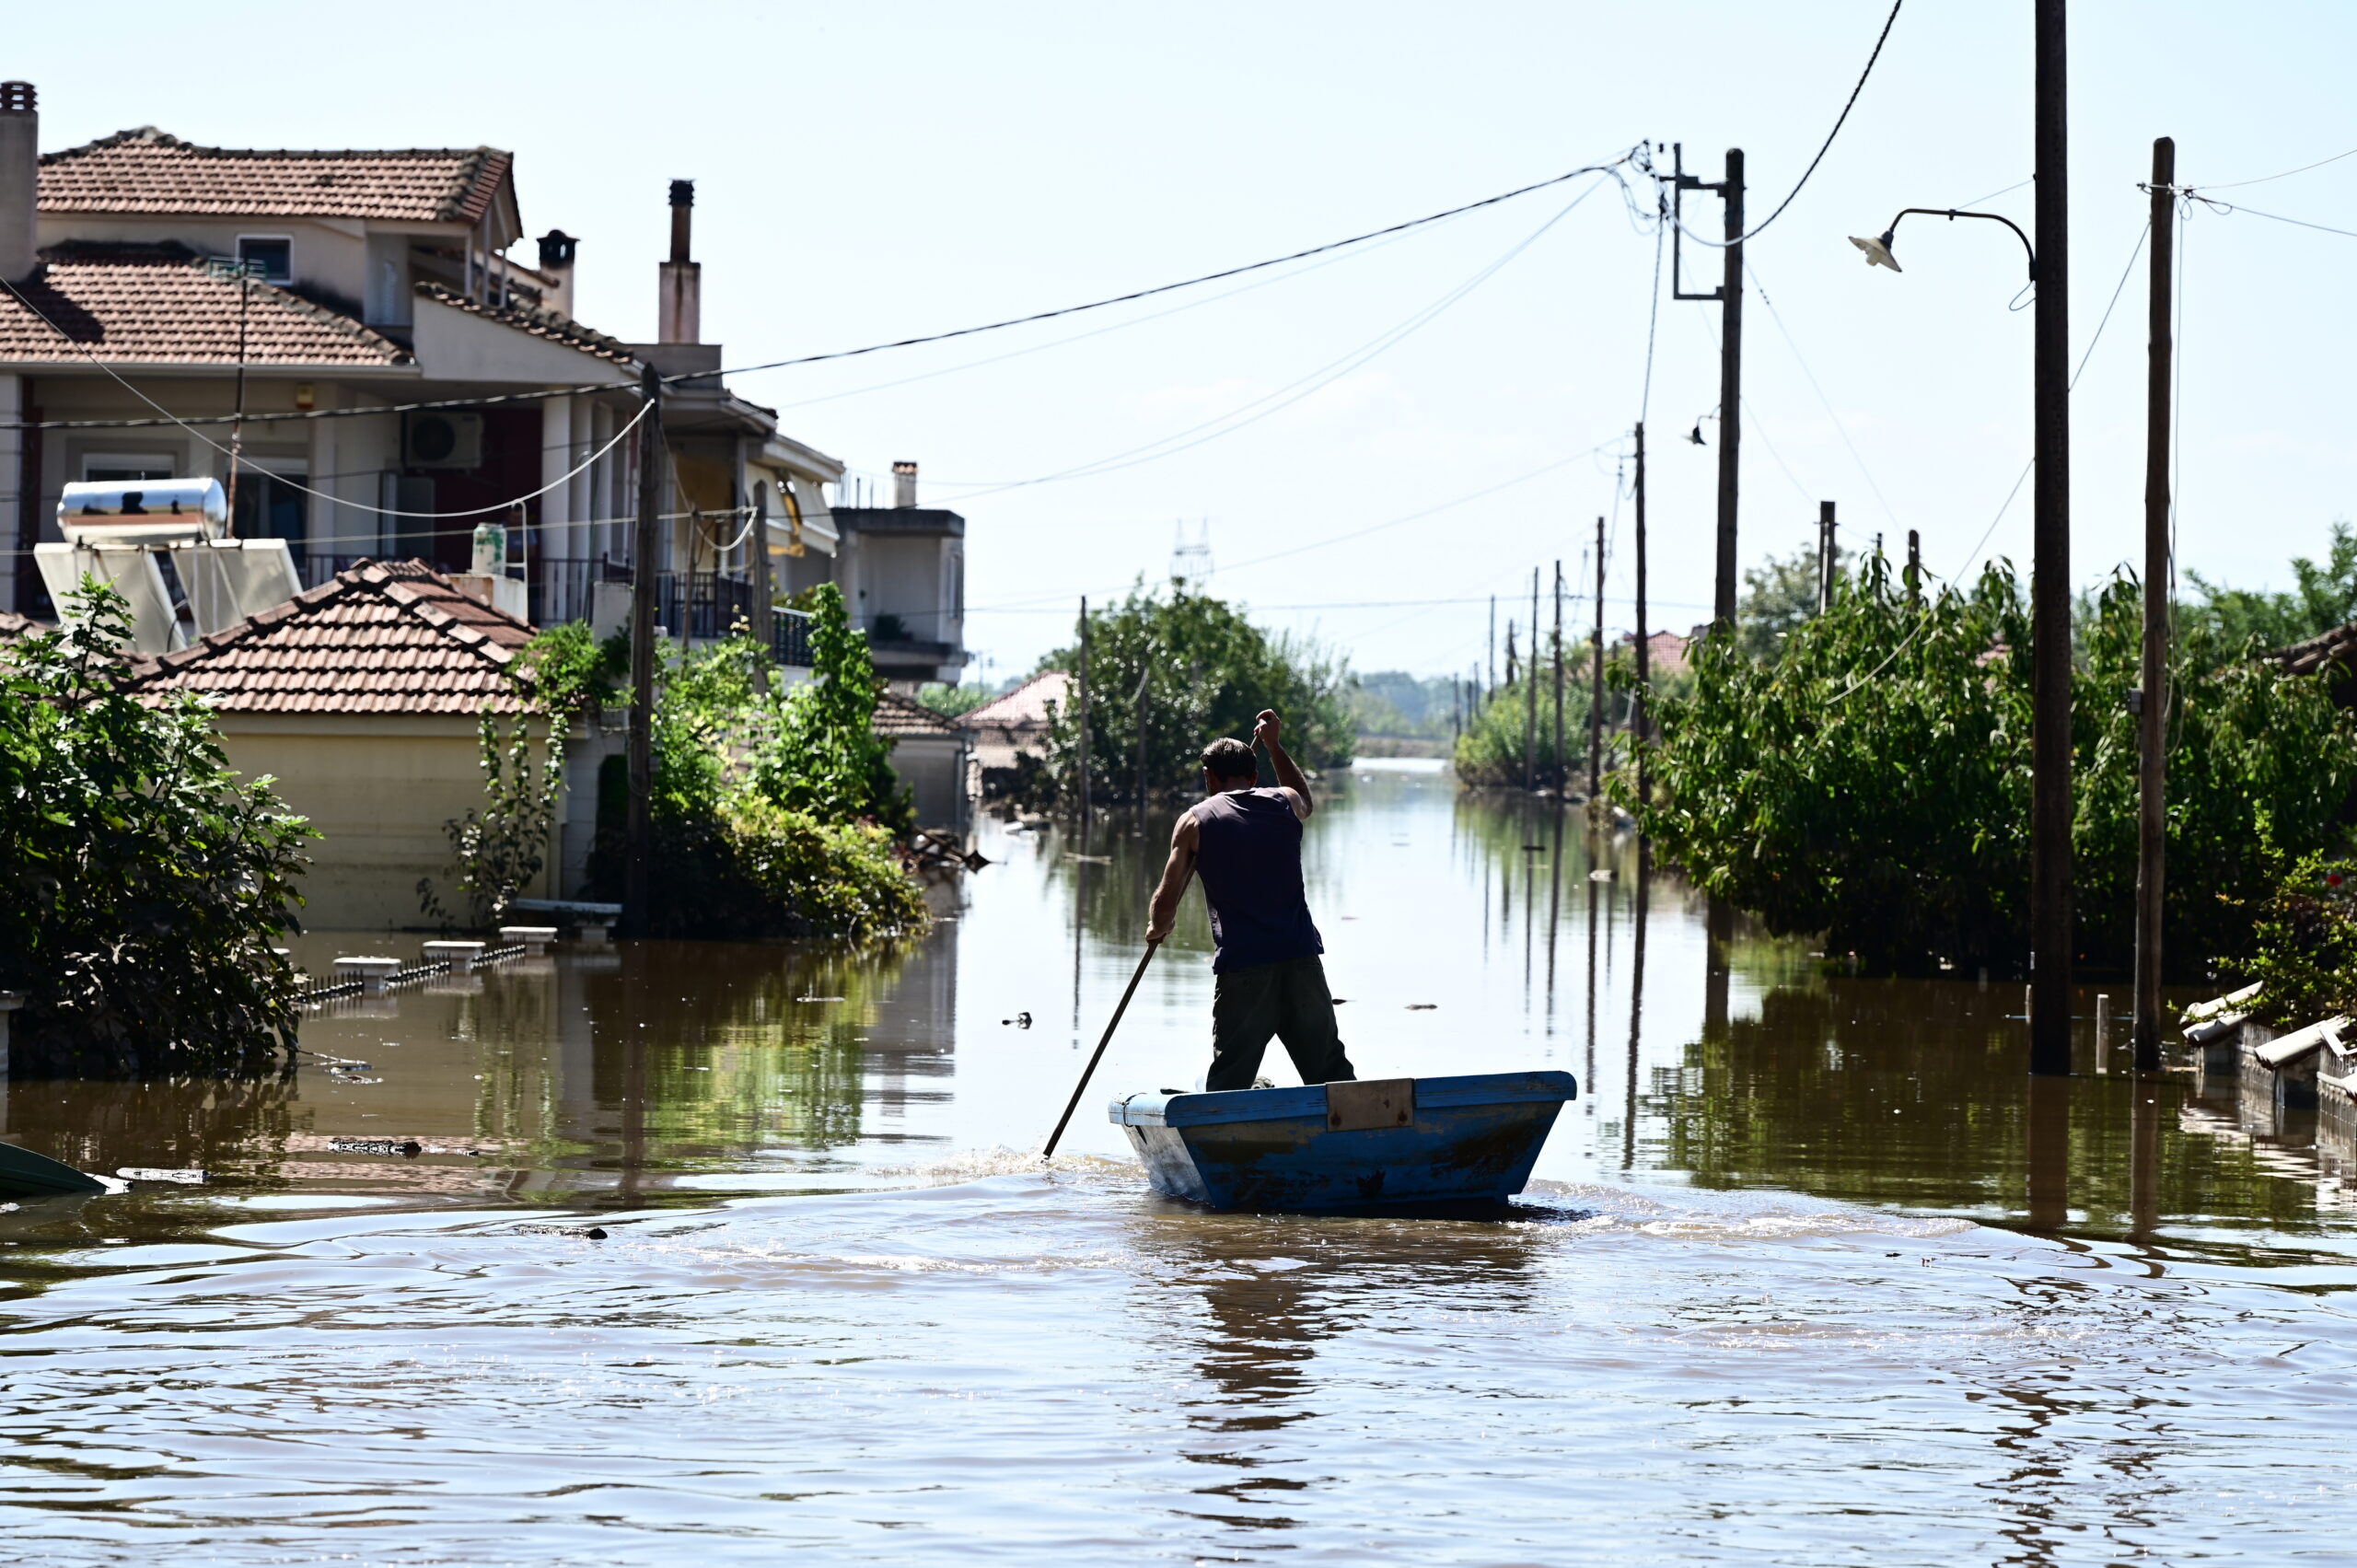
{"points": [[327, 537], [14, 535], [555, 538]]}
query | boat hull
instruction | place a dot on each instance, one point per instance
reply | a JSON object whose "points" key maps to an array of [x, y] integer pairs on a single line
{"points": [[24, 1174], [1456, 1139]]}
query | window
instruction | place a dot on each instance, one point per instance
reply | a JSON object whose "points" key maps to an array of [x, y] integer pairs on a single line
{"points": [[272, 256], [269, 507], [125, 468]]}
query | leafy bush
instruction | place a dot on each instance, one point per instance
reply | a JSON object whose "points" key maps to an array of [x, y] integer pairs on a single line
{"points": [[954, 702], [1206, 671], [567, 670], [1870, 782], [143, 884], [821, 754], [501, 845], [2304, 950]]}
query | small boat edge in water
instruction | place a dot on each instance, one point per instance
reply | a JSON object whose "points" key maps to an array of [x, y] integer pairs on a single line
{"points": [[1377, 1143]]}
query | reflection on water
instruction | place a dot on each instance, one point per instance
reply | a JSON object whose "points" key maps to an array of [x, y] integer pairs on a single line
{"points": [[1812, 1272]]}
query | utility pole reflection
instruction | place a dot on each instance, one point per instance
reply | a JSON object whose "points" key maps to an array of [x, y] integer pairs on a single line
{"points": [[1636, 1005]]}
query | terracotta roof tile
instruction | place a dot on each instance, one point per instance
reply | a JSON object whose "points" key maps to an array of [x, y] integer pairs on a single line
{"points": [[546, 324], [1026, 706], [901, 719], [382, 637], [147, 171], [159, 305], [15, 627]]}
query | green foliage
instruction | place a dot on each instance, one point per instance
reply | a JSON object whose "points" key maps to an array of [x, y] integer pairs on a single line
{"points": [[1206, 671], [823, 756], [2325, 597], [501, 845], [568, 670], [143, 884], [1870, 782], [774, 812], [2305, 954], [1392, 702], [1779, 596], [1490, 752], [954, 702]]}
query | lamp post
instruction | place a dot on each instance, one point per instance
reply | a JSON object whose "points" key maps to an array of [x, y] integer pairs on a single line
{"points": [[2050, 846]]}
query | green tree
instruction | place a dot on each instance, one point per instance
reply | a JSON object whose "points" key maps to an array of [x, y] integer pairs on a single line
{"points": [[823, 755], [2325, 597], [1778, 596], [1870, 782], [145, 884], [1193, 668]]}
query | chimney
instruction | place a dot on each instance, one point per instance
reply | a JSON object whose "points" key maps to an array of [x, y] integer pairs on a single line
{"points": [[679, 313], [904, 483], [556, 264], [19, 181]]}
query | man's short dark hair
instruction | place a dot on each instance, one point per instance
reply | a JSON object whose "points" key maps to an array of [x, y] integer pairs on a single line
{"points": [[1228, 758]]}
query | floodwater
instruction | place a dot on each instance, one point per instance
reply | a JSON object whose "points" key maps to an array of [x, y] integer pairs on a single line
{"points": [[1809, 1276]]}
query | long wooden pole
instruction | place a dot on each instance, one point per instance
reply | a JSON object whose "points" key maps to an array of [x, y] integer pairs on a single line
{"points": [[1084, 723], [1730, 391], [2152, 722], [638, 864], [1644, 675], [2049, 831], [1095, 1056], [1595, 695], [1530, 695], [1562, 774]]}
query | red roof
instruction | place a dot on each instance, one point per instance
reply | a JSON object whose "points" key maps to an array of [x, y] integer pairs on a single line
{"points": [[147, 171], [159, 305], [1026, 707], [901, 719], [15, 627], [384, 637]]}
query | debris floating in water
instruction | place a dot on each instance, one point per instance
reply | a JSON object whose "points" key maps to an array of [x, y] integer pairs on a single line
{"points": [[150, 1173], [1020, 1020], [818, 999], [408, 1147], [1423, 1006]]}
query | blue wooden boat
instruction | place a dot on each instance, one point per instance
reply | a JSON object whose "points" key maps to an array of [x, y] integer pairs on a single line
{"points": [[1379, 1143]]}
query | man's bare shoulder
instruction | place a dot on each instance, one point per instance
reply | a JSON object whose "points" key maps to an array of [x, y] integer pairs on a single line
{"points": [[1185, 829], [1298, 801]]}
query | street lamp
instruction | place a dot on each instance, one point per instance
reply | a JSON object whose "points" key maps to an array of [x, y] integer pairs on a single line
{"points": [[1880, 254], [2050, 807]]}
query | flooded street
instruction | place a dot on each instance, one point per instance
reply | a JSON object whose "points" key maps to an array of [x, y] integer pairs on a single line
{"points": [[1809, 1275]]}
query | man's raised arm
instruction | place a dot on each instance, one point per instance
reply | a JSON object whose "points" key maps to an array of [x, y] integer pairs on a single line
{"points": [[1265, 731]]}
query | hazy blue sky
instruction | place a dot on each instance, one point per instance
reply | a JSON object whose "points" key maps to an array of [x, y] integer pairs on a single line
{"points": [[873, 171]]}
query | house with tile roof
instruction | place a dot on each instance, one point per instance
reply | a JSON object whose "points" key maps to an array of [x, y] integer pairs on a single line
{"points": [[362, 698], [162, 302], [1009, 727], [931, 754]]}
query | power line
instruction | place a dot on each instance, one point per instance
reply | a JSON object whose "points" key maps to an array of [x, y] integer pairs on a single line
{"points": [[1843, 118], [2230, 208], [1170, 288], [2263, 179]]}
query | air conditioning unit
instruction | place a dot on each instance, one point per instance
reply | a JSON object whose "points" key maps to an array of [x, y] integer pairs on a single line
{"points": [[437, 438]]}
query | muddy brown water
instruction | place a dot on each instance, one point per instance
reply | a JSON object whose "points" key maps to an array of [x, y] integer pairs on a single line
{"points": [[1809, 1275]]}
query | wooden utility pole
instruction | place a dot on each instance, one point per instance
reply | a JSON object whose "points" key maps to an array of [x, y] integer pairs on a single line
{"points": [[1596, 696], [1730, 387], [2049, 832], [1915, 567], [764, 590], [1637, 717], [1824, 556], [1083, 721], [1530, 695], [1493, 641], [1562, 774], [1146, 668], [2152, 718], [638, 864]]}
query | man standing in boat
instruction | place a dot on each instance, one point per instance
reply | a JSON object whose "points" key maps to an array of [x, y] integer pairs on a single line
{"points": [[1245, 843]]}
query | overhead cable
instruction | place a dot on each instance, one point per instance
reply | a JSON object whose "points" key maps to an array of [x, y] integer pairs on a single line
{"points": [[1843, 118]]}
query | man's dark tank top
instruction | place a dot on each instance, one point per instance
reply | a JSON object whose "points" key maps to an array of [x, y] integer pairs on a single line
{"points": [[1249, 854]]}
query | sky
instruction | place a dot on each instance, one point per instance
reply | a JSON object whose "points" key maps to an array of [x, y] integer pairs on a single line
{"points": [[1377, 441]]}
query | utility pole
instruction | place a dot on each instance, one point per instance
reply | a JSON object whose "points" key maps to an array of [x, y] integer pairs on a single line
{"points": [[1637, 718], [1146, 668], [1825, 556], [1915, 567], [1562, 774], [638, 864], [1493, 641], [1729, 298], [764, 590], [1083, 721], [2152, 718], [2049, 831], [1596, 697], [1530, 696]]}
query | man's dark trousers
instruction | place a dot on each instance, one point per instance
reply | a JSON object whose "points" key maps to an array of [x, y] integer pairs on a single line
{"points": [[1287, 999]]}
